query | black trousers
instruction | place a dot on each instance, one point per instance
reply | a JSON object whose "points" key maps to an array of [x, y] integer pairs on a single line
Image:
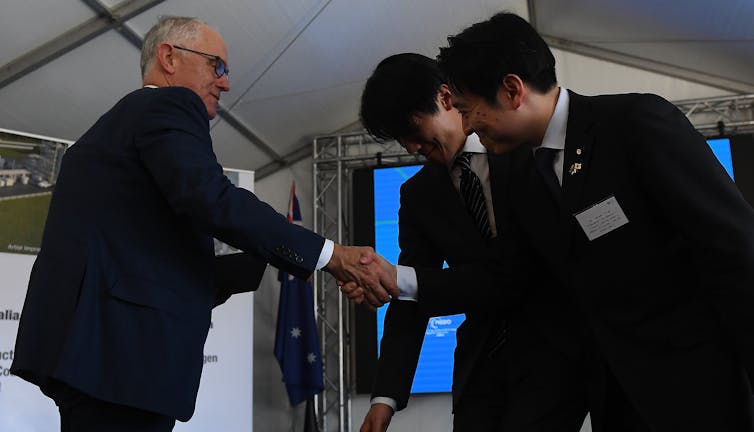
{"points": [[82, 413], [526, 386]]}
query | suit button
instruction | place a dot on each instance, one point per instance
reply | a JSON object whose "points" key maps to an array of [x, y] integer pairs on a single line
{"points": [[299, 259]]}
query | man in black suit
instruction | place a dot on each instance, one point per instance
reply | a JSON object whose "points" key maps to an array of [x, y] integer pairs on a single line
{"points": [[622, 199], [502, 380], [119, 299]]}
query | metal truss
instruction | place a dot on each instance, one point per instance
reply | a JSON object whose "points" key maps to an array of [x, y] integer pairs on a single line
{"points": [[335, 159], [725, 115]]}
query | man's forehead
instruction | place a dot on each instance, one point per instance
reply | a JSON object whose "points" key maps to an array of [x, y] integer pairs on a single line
{"points": [[211, 39]]}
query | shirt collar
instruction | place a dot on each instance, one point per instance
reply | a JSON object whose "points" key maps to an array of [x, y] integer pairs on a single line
{"points": [[150, 86], [556, 130], [473, 145]]}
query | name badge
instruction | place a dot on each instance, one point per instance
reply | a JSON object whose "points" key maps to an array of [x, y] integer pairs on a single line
{"points": [[601, 218]]}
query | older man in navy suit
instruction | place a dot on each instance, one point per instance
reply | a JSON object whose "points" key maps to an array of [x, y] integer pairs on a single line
{"points": [[119, 299]]}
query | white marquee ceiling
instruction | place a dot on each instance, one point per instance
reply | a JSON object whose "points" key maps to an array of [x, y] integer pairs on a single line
{"points": [[298, 66]]}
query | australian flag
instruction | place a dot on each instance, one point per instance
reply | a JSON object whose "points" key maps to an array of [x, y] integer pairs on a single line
{"points": [[296, 342]]}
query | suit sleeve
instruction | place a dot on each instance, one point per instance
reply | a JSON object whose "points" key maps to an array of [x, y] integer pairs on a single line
{"points": [[690, 188], [405, 321], [175, 147], [499, 273], [237, 273], [498, 277]]}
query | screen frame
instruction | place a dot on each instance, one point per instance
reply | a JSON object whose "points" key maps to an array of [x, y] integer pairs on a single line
{"points": [[365, 321]]}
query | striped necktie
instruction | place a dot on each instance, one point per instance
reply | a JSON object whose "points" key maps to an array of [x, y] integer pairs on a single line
{"points": [[472, 194]]}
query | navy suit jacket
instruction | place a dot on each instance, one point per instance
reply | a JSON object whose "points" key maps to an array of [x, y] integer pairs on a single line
{"points": [[119, 299]]}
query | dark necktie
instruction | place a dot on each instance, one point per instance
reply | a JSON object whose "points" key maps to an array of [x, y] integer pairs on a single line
{"points": [[544, 157], [473, 196]]}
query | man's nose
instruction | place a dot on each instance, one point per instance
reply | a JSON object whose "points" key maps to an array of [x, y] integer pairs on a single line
{"points": [[223, 83]]}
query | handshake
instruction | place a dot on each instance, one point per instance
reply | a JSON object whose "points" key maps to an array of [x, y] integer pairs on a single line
{"points": [[363, 275]]}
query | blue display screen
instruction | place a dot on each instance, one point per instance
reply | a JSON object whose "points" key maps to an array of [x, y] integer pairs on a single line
{"points": [[434, 372], [721, 148]]}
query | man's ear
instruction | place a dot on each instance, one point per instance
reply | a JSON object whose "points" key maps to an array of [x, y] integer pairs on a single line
{"points": [[445, 97], [511, 91], [165, 57]]}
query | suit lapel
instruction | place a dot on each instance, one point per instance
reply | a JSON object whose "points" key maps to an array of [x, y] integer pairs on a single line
{"points": [[500, 166], [579, 146], [534, 207]]}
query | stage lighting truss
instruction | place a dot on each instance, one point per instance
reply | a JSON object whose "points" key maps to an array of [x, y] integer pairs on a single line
{"points": [[724, 115]]}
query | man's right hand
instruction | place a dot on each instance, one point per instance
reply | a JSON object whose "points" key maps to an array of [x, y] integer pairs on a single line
{"points": [[377, 419], [360, 265], [388, 279]]}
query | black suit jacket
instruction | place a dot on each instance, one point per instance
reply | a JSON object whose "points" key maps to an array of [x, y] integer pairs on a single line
{"points": [[668, 298], [434, 227], [119, 299]]}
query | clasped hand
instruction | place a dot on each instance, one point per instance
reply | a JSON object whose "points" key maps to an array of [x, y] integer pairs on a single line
{"points": [[363, 275]]}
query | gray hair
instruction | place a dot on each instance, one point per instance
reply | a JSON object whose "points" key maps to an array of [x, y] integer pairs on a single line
{"points": [[171, 29]]}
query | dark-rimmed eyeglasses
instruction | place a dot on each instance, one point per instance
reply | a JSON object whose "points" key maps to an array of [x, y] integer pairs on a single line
{"points": [[220, 67]]}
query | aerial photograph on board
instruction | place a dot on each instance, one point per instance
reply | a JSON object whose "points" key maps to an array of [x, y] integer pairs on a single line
{"points": [[29, 167]]}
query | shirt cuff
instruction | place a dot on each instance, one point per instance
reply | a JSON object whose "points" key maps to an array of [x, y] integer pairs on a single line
{"points": [[407, 284], [325, 255], [385, 400]]}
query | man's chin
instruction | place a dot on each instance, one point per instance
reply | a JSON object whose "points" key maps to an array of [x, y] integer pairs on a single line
{"points": [[499, 147]]}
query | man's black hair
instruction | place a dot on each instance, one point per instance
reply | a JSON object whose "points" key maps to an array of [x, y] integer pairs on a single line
{"points": [[477, 59], [401, 86]]}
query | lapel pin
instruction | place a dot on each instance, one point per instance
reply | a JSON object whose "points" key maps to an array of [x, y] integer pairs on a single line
{"points": [[575, 168]]}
